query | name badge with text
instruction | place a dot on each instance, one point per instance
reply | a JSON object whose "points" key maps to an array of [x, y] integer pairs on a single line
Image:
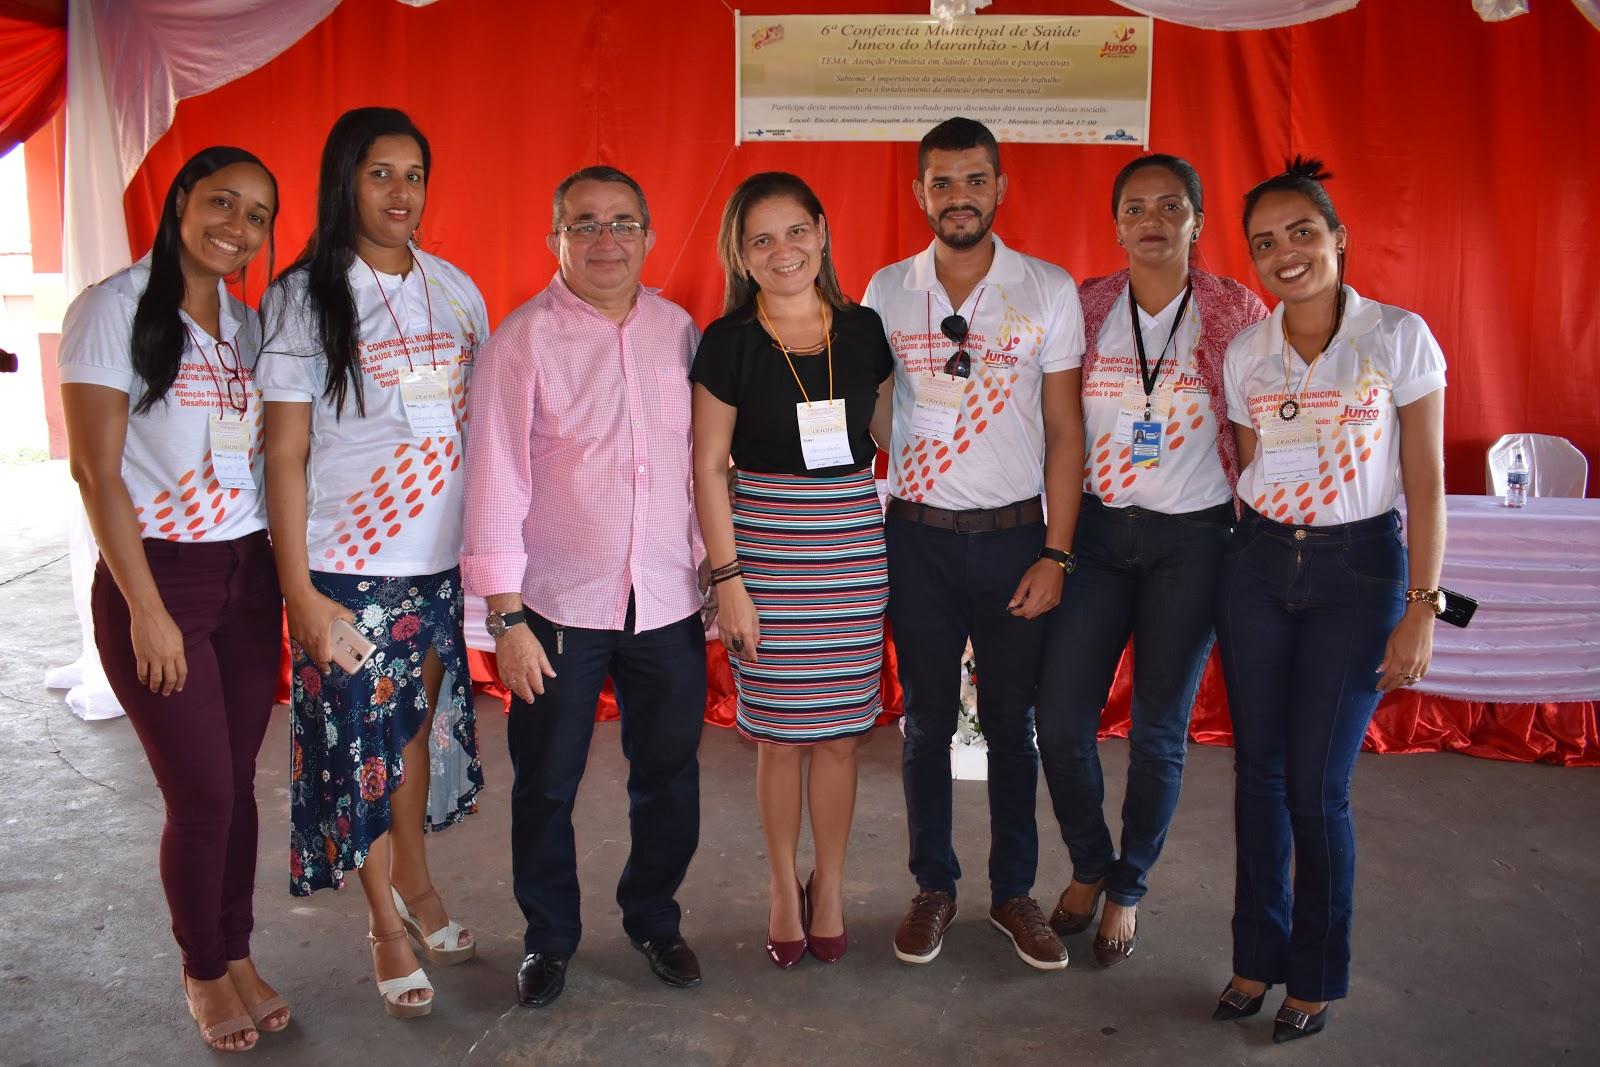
{"points": [[1289, 450], [824, 440], [1132, 409], [231, 441], [938, 406], [426, 396]]}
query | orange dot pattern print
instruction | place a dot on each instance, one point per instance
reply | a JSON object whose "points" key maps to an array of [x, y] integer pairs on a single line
{"points": [[199, 503], [397, 492]]}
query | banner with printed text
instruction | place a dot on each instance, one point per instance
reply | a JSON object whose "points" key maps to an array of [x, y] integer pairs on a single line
{"points": [[1056, 80]]}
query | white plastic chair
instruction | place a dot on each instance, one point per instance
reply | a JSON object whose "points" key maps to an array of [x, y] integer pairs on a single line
{"points": [[1555, 466]]}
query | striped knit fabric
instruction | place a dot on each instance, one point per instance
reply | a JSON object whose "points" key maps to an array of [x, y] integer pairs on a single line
{"points": [[813, 558]]}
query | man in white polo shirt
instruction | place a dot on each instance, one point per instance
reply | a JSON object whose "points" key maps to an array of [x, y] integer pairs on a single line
{"points": [[987, 345]]}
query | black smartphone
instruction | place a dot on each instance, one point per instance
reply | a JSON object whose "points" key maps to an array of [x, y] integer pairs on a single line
{"points": [[1458, 608]]}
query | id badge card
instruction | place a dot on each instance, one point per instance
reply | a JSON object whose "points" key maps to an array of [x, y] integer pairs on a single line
{"points": [[231, 440], [938, 406], [1289, 450], [824, 441], [1145, 447], [1132, 409], [426, 395]]}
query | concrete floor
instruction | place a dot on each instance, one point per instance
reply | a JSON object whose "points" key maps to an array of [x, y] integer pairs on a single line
{"points": [[1479, 910]]}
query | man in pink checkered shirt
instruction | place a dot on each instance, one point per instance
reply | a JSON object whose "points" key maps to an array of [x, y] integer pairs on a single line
{"points": [[581, 532]]}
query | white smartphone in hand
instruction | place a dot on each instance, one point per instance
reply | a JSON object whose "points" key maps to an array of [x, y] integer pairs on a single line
{"points": [[350, 649]]}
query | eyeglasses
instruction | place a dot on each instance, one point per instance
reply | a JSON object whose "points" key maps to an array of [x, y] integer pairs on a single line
{"points": [[237, 392], [958, 365], [589, 231], [238, 395]]}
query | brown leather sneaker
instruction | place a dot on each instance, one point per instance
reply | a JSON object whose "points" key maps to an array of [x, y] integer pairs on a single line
{"points": [[921, 932], [1021, 920]]}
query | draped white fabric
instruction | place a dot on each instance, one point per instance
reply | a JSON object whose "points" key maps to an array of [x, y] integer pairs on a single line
{"points": [[1267, 14], [1535, 573], [1239, 14], [129, 62]]}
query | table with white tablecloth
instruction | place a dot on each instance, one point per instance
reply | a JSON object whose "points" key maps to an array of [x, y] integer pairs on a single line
{"points": [[1535, 572]]}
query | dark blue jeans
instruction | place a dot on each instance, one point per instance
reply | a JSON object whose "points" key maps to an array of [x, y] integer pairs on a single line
{"points": [[660, 679], [1152, 577], [944, 588], [1303, 616]]}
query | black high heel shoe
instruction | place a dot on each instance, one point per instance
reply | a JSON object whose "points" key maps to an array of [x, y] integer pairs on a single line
{"points": [[1237, 1004], [1292, 1024]]}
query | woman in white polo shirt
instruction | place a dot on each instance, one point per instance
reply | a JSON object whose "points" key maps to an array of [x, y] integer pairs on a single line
{"points": [[1151, 530], [1324, 604], [163, 422], [365, 377]]}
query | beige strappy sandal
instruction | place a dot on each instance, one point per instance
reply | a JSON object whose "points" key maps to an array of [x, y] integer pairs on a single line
{"points": [[263, 1010], [391, 989], [214, 1034], [445, 945]]}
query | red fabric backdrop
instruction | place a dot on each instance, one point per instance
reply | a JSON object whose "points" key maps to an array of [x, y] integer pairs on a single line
{"points": [[33, 67], [1466, 156]]}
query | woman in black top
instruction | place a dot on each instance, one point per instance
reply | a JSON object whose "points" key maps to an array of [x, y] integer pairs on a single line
{"points": [[790, 381]]}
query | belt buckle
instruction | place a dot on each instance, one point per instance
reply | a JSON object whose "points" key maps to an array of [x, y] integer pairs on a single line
{"points": [[969, 522]]}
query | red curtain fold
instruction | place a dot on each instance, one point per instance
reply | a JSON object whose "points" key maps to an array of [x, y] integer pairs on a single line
{"points": [[33, 72]]}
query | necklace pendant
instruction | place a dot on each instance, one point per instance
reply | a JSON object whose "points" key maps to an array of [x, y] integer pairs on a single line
{"points": [[1288, 409]]}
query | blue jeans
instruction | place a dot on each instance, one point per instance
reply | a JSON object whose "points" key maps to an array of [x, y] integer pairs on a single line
{"points": [[1303, 616], [660, 679], [1152, 577], [945, 587]]}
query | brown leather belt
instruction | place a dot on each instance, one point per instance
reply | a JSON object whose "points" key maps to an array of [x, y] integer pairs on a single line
{"points": [[978, 520]]}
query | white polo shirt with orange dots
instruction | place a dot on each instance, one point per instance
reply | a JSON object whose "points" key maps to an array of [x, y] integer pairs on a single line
{"points": [[166, 455], [1024, 322], [1382, 359], [1189, 476], [382, 499]]}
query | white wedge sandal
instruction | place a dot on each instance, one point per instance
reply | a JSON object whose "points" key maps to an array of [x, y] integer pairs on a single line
{"points": [[391, 989], [445, 945]]}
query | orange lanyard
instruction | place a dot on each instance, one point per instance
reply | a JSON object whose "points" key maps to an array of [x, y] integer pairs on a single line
{"points": [[761, 313]]}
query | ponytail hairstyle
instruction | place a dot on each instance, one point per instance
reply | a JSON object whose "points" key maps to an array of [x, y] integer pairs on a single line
{"points": [[1304, 176], [331, 251], [158, 331], [738, 288]]}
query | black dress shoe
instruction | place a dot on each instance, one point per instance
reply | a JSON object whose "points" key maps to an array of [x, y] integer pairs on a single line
{"points": [[671, 960], [1237, 1004], [1292, 1024], [541, 978]]}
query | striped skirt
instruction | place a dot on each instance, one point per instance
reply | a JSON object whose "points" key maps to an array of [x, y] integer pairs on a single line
{"points": [[813, 557]]}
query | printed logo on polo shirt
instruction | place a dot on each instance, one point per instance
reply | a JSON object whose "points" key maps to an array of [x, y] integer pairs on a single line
{"points": [[922, 460], [1362, 408]]}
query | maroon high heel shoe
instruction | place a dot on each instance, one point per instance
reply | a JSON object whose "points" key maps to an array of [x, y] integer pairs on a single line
{"points": [[825, 949], [786, 954]]}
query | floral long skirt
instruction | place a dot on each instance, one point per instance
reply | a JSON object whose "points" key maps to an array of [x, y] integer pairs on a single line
{"points": [[348, 732]]}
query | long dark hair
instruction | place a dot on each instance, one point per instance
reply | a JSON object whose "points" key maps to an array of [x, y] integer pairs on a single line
{"points": [[738, 288], [331, 250], [158, 331]]}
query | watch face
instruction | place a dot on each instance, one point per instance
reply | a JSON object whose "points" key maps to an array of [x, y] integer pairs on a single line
{"points": [[495, 624]]}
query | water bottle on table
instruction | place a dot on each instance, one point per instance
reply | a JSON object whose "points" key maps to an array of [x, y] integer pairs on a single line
{"points": [[1517, 482]]}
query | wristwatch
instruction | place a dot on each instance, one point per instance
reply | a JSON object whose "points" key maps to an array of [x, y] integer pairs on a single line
{"points": [[1433, 597], [498, 622], [1066, 560]]}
